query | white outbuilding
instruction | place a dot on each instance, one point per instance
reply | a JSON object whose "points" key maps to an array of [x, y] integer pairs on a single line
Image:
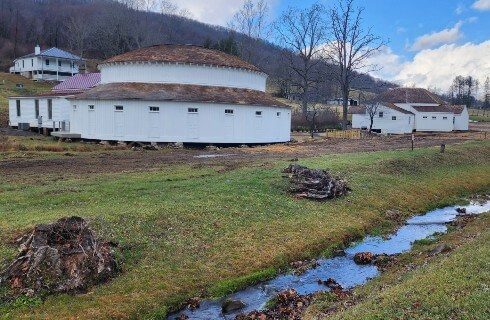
{"points": [[180, 93], [50, 110], [405, 110]]}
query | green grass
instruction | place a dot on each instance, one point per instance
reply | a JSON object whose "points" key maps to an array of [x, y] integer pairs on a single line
{"points": [[8, 88], [448, 286], [196, 231]]}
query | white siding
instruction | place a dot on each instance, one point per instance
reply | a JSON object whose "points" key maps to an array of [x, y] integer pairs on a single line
{"points": [[461, 121], [402, 124], [182, 74], [173, 122], [434, 121], [61, 111]]}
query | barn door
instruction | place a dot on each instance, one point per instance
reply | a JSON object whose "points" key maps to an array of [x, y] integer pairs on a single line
{"points": [[193, 124], [229, 124], [118, 121], [91, 120], [154, 122]]}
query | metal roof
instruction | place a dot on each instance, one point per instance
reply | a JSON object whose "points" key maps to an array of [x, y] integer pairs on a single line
{"points": [[79, 82], [53, 53]]}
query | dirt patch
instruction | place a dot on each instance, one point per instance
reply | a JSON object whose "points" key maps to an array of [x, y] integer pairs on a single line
{"points": [[116, 161]]}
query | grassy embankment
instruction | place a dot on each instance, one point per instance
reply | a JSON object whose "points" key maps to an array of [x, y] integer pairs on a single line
{"points": [[190, 231], [479, 115], [8, 88], [452, 285]]}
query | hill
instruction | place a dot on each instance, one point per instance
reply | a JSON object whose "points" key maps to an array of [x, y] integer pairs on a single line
{"points": [[8, 88], [98, 29]]}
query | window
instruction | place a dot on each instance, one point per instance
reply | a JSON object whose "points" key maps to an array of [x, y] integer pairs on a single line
{"points": [[425, 117], [17, 103], [454, 120], [50, 109], [91, 108], [434, 117], [59, 63], [119, 108], [74, 107], [47, 62], [192, 110], [229, 111], [154, 109], [258, 113], [36, 108], [22, 63], [32, 62], [393, 118], [278, 114], [444, 118], [381, 114]]}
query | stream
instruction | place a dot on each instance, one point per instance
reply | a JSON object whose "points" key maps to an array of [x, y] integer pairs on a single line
{"points": [[343, 268]]}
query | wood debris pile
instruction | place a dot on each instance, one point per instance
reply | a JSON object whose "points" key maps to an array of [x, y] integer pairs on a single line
{"points": [[315, 184]]}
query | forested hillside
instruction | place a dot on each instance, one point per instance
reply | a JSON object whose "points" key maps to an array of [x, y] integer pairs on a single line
{"points": [[98, 29]]}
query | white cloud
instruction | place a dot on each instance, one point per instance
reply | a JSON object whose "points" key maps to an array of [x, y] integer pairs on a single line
{"points": [[459, 9], [387, 62], [438, 67], [435, 39], [216, 12], [482, 5]]}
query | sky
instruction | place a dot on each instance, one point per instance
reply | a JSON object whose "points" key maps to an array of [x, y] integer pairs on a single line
{"points": [[429, 42]]}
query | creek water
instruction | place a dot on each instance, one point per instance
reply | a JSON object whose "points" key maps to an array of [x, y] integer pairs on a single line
{"points": [[343, 269]]}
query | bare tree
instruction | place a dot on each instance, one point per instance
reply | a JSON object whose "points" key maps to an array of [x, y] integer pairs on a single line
{"points": [[486, 93], [251, 20], [302, 32], [350, 48], [372, 111], [78, 32]]}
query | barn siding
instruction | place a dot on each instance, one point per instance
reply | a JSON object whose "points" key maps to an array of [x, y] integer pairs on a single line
{"points": [[173, 120], [183, 74]]}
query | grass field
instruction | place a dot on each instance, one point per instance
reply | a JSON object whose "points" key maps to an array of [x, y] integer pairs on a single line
{"points": [[187, 231], [479, 115], [8, 88], [448, 286]]}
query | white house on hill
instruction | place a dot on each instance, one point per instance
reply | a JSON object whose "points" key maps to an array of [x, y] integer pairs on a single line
{"points": [[51, 64], [404, 110], [180, 93]]}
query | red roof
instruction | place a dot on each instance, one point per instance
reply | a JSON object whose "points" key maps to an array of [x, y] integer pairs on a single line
{"points": [[79, 82]]}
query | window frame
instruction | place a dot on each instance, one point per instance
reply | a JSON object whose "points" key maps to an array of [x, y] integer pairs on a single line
{"points": [[258, 113], [91, 107], [229, 112], [118, 108], [434, 117], [193, 110], [393, 118], [444, 118], [278, 114], [154, 109], [381, 114], [47, 62]]}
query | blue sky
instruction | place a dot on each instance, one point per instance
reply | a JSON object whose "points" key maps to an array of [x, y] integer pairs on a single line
{"points": [[430, 41]]}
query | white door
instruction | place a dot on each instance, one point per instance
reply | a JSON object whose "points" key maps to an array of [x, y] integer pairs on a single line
{"points": [[229, 126], [193, 126], [118, 122], [91, 122], [154, 124]]}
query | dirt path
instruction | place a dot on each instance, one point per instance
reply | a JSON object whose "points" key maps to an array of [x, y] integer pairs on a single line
{"points": [[82, 165]]}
